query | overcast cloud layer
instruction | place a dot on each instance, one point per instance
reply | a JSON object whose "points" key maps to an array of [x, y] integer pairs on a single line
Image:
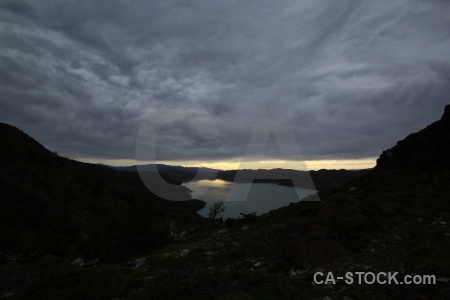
{"points": [[82, 77]]}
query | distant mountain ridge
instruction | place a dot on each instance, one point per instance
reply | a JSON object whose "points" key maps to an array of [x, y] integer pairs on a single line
{"points": [[160, 167], [322, 179]]}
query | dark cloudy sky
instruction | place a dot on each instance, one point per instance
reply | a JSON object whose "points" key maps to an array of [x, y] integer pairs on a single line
{"points": [[83, 77]]}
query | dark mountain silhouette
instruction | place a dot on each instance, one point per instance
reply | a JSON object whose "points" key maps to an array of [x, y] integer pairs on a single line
{"points": [[392, 218], [322, 179], [51, 204], [161, 168], [424, 150], [171, 173]]}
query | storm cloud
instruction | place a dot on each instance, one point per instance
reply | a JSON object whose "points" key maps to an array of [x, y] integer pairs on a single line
{"points": [[353, 77]]}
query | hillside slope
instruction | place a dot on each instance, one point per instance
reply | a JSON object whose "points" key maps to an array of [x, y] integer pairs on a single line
{"points": [[393, 218], [51, 204], [424, 150]]}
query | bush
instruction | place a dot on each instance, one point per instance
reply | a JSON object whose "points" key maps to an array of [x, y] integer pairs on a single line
{"points": [[216, 209]]}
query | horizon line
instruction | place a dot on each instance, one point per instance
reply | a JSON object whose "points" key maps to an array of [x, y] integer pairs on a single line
{"points": [[310, 165]]}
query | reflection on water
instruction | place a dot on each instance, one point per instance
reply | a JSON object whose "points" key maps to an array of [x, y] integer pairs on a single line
{"points": [[210, 183], [262, 198]]}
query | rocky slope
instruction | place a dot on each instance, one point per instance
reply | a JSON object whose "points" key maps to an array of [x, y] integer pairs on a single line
{"points": [[394, 218], [423, 150]]}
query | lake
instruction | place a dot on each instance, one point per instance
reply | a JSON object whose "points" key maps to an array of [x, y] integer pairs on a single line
{"points": [[261, 198]]}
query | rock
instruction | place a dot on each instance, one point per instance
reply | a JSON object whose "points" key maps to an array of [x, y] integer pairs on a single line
{"points": [[330, 286], [443, 280], [139, 260], [419, 220], [326, 298], [352, 189], [184, 252], [292, 273], [92, 262], [79, 262], [245, 227], [9, 295], [209, 253], [220, 232], [346, 298], [443, 223], [182, 234], [166, 255], [397, 238], [257, 264], [447, 234]]}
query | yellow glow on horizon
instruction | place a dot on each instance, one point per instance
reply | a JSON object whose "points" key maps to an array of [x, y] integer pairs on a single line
{"points": [[365, 163], [233, 165]]}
